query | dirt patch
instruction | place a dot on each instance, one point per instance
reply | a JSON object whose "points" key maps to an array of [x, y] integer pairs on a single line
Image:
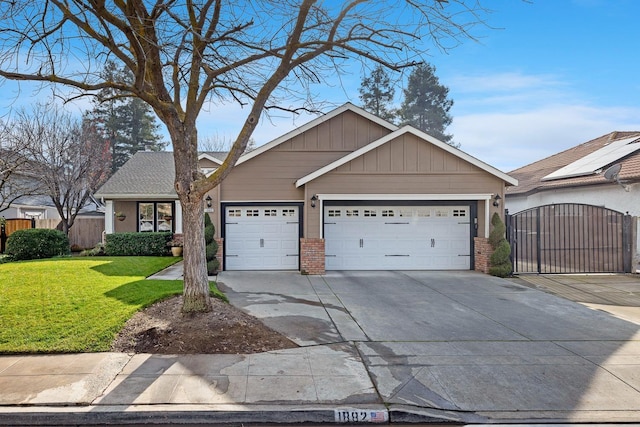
{"points": [[162, 328]]}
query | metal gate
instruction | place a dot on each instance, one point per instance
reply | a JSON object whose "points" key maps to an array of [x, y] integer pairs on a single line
{"points": [[570, 238]]}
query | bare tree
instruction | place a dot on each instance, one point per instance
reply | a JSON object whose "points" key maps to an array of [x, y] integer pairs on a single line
{"points": [[66, 156], [14, 179], [185, 53]]}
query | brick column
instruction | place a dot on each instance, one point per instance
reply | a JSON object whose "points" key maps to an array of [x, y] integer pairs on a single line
{"points": [[220, 254], [312, 256], [483, 251]]}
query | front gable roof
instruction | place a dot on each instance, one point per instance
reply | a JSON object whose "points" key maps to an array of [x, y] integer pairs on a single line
{"points": [[581, 165], [393, 135], [313, 123]]}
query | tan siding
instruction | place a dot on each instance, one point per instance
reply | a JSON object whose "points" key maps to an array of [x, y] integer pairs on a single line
{"points": [[405, 184], [206, 163], [272, 175], [130, 224]]}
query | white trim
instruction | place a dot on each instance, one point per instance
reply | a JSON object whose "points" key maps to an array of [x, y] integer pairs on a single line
{"points": [[313, 123], [178, 217], [404, 197], [208, 157], [109, 214], [418, 133], [141, 197], [250, 202]]}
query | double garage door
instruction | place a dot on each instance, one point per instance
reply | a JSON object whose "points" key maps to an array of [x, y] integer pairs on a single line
{"points": [[356, 237], [397, 237]]}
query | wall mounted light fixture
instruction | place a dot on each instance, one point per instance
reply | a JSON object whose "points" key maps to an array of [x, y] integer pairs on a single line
{"points": [[496, 200], [208, 200], [314, 199]]}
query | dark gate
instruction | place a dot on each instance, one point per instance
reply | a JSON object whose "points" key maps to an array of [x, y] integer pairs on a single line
{"points": [[570, 238], [8, 226]]}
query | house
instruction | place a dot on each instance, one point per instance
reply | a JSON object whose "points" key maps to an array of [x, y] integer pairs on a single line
{"points": [[577, 175], [598, 180], [346, 191]]}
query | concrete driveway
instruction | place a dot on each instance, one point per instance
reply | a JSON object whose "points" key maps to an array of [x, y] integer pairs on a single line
{"points": [[461, 346]]}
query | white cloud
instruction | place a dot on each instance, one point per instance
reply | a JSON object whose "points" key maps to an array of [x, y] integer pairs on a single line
{"points": [[511, 119], [511, 140]]}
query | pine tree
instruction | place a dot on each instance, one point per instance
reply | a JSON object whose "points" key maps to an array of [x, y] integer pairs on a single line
{"points": [[376, 94], [426, 105], [128, 123]]}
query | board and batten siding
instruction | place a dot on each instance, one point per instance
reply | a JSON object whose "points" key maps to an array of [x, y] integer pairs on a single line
{"points": [[406, 165], [272, 174]]}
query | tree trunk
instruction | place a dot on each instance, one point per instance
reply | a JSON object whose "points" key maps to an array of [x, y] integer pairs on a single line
{"points": [[196, 280]]}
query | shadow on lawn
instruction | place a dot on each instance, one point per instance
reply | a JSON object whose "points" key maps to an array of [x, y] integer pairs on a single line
{"points": [[144, 292]]}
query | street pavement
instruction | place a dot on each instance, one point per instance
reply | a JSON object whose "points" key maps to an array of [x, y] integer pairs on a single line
{"points": [[397, 347]]}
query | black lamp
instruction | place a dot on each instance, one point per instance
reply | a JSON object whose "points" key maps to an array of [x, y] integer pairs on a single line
{"points": [[314, 198], [496, 200], [208, 200]]}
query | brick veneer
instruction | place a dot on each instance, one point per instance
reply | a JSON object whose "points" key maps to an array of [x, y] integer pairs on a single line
{"points": [[483, 251], [220, 252], [312, 256]]}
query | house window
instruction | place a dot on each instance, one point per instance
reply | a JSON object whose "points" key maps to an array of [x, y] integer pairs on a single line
{"points": [[334, 212], [370, 212], [352, 212], [288, 212], [235, 212], [155, 216], [270, 212], [253, 212], [388, 212], [459, 212]]}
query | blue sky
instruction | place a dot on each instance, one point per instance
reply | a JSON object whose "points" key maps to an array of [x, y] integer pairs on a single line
{"points": [[554, 74], [550, 75]]}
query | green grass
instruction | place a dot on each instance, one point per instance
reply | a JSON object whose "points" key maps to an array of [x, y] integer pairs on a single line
{"points": [[76, 304]]}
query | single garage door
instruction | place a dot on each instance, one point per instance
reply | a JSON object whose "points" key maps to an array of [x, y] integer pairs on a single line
{"points": [[261, 237], [397, 237]]}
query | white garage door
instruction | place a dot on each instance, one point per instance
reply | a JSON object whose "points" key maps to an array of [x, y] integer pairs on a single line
{"points": [[397, 237], [261, 238]]}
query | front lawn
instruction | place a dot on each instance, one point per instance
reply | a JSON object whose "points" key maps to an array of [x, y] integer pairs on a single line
{"points": [[76, 304]]}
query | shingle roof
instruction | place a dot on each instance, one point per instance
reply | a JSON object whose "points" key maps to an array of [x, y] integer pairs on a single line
{"points": [[147, 172], [530, 176]]}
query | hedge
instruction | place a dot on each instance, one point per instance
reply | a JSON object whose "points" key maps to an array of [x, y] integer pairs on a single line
{"points": [[137, 244]]}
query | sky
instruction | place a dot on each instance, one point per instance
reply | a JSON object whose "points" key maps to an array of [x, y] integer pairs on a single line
{"points": [[543, 76], [549, 75]]}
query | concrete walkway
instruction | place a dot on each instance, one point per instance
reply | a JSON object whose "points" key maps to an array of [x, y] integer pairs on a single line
{"points": [[376, 346]]}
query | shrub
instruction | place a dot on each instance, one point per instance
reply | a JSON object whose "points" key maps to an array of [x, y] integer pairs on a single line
{"points": [[137, 244], [98, 250], [37, 243], [500, 260], [211, 246]]}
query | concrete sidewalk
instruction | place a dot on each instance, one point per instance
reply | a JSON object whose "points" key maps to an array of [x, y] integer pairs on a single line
{"points": [[375, 346]]}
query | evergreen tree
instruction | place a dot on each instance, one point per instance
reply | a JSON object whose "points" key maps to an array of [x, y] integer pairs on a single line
{"points": [[376, 94], [426, 105], [211, 246], [127, 123]]}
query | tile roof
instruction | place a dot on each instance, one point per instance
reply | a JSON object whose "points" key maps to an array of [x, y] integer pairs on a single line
{"points": [[530, 176]]}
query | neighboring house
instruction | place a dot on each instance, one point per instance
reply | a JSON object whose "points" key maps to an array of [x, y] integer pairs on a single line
{"points": [[347, 191], [603, 172], [576, 175]]}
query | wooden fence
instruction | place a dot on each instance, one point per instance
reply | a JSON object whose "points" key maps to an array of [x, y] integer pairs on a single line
{"points": [[12, 225], [84, 234]]}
